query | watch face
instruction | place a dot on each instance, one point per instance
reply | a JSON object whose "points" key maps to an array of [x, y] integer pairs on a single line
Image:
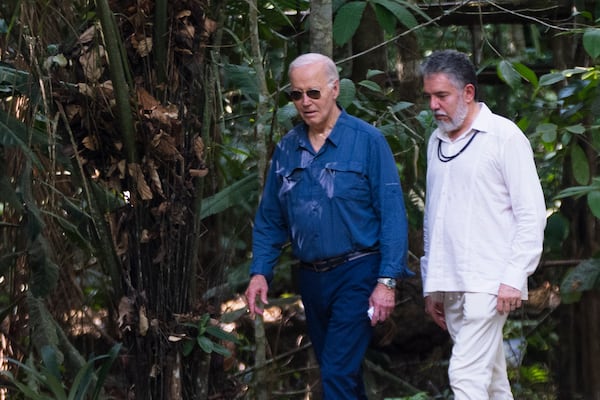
{"points": [[389, 282]]}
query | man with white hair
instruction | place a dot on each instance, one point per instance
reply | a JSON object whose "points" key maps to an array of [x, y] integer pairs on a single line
{"points": [[333, 191]]}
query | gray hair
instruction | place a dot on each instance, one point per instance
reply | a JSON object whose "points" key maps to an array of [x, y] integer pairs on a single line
{"points": [[454, 64], [316, 58]]}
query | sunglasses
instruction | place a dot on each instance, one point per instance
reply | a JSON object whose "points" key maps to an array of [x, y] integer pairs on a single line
{"points": [[296, 95]]}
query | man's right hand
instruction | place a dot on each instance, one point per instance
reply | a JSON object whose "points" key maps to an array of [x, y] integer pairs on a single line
{"points": [[436, 310], [257, 287]]}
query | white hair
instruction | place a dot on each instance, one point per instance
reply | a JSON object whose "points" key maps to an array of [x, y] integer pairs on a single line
{"points": [[316, 58]]}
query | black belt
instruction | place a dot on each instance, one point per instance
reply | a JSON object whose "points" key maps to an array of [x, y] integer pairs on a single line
{"points": [[331, 263]]}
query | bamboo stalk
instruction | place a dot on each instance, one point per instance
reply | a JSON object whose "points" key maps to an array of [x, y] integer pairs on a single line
{"points": [[160, 41], [119, 73]]}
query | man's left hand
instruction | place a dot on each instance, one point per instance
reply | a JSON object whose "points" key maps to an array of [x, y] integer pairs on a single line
{"points": [[383, 300], [509, 299]]}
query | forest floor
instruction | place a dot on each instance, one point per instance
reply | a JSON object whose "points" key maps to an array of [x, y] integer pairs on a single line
{"points": [[408, 355]]}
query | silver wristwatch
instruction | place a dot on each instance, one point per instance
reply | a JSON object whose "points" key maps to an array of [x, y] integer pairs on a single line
{"points": [[390, 283]]}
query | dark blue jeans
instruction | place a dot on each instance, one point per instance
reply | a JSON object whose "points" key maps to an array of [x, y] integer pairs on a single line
{"points": [[336, 304]]}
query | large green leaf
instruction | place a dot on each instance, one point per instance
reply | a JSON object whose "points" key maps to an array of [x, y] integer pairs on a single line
{"points": [[286, 113], [557, 230], [585, 276], [591, 42], [385, 18], [102, 373], [347, 93], [577, 129], [220, 349], [401, 12], [508, 74], [239, 192], [221, 334], [593, 200], [547, 132], [573, 191], [51, 361], [580, 165], [244, 78], [526, 73], [14, 133], [552, 78], [371, 86], [205, 344], [346, 21], [14, 81]]}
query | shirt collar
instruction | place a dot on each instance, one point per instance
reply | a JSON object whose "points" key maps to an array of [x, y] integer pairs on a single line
{"points": [[335, 136], [483, 122]]}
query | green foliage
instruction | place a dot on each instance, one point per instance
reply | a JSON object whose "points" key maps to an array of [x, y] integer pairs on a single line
{"points": [[592, 193], [388, 13], [347, 21], [14, 133], [17, 82], [563, 118], [347, 92], [507, 71], [585, 276], [561, 133], [244, 78], [47, 377], [579, 164], [557, 230], [205, 338], [534, 382], [536, 373], [591, 42], [512, 73], [236, 193], [396, 11]]}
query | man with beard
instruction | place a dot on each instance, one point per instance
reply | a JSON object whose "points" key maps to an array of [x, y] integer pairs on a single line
{"points": [[483, 225]]}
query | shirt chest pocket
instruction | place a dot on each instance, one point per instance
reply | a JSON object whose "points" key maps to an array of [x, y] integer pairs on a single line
{"points": [[344, 180], [291, 181]]}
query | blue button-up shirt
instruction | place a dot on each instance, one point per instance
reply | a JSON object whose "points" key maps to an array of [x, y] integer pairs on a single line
{"points": [[344, 198]]}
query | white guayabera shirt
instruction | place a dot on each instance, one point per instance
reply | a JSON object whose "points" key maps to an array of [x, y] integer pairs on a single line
{"points": [[485, 211]]}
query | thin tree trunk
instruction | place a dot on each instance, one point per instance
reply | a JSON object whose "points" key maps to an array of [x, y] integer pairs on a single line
{"points": [[262, 131], [321, 25]]}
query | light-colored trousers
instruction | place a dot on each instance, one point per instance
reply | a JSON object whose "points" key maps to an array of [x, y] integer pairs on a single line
{"points": [[477, 366]]}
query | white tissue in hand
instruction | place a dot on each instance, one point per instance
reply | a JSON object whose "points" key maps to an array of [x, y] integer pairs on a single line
{"points": [[370, 312]]}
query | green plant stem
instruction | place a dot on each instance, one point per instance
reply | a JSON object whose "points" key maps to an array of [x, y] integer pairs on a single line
{"points": [[160, 41], [263, 105], [119, 74], [260, 359]]}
